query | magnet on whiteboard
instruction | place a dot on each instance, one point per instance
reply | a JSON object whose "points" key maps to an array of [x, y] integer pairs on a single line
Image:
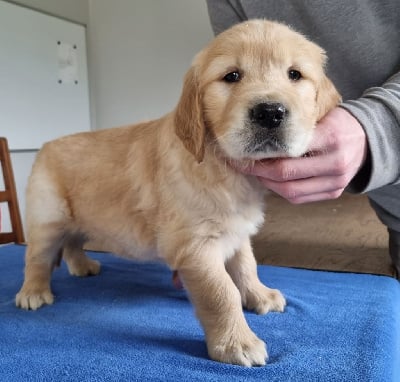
{"points": [[67, 63]]}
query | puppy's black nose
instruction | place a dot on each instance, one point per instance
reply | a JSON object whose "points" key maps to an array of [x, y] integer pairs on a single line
{"points": [[268, 115]]}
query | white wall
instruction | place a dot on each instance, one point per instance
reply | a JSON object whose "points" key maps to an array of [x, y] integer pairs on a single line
{"points": [[73, 10], [138, 53]]}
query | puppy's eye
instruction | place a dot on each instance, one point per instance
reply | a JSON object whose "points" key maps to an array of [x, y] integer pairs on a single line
{"points": [[294, 75], [232, 77]]}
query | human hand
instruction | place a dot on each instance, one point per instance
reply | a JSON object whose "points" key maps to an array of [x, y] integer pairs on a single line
{"points": [[337, 152]]}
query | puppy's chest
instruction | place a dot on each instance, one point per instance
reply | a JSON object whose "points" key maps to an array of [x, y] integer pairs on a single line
{"points": [[245, 211], [236, 227], [244, 221]]}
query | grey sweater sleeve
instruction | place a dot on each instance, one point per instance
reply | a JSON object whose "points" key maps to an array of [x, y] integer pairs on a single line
{"points": [[378, 111]]}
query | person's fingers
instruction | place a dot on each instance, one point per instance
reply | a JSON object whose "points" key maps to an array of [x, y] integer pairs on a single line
{"points": [[317, 197], [292, 190], [282, 170]]}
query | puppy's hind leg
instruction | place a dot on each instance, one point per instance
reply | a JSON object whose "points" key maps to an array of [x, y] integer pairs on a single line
{"points": [[78, 263], [42, 255], [47, 216], [255, 296]]}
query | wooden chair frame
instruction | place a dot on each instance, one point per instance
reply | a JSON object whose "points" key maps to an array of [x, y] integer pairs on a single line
{"points": [[9, 195]]}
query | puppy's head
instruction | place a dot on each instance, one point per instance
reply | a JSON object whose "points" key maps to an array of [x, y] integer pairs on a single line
{"points": [[258, 90]]}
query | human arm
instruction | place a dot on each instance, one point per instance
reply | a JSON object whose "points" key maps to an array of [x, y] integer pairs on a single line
{"points": [[378, 110]]}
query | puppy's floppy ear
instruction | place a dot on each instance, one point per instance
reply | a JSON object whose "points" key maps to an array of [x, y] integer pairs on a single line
{"points": [[327, 96], [189, 122]]}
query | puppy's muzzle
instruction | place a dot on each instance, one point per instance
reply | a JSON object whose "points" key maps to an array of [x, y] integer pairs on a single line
{"points": [[270, 115]]}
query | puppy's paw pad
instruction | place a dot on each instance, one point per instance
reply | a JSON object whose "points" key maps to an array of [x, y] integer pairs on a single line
{"points": [[247, 351], [264, 300], [33, 299]]}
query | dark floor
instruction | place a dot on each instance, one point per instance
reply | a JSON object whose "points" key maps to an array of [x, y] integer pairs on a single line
{"points": [[339, 235]]}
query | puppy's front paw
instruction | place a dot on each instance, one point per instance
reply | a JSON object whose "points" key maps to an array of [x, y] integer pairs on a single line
{"points": [[33, 298], [263, 300], [245, 349]]}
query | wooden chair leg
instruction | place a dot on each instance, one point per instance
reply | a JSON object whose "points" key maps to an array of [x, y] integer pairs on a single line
{"points": [[9, 195]]}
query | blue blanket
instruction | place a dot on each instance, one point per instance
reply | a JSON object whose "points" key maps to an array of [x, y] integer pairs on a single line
{"points": [[130, 324]]}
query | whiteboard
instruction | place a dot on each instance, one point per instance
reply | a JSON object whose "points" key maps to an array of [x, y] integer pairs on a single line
{"points": [[43, 77]]}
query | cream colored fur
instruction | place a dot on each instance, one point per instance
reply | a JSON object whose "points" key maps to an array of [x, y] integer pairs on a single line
{"points": [[165, 189]]}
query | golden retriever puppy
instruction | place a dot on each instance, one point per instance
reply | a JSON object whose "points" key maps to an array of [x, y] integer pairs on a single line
{"points": [[165, 189]]}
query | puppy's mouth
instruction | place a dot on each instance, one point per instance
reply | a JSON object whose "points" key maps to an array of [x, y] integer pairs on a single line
{"points": [[272, 146]]}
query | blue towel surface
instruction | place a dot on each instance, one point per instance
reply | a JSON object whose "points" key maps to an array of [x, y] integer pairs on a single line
{"points": [[130, 324]]}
